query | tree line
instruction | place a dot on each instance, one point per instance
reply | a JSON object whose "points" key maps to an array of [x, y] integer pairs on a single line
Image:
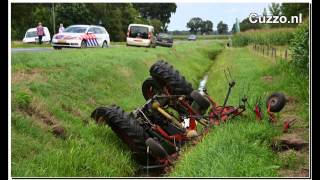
{"points": [[115, 17], [197, 25]]}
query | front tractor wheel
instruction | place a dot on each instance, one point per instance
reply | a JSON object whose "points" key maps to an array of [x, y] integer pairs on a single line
{"points": [[276, 101], [150, 88]]}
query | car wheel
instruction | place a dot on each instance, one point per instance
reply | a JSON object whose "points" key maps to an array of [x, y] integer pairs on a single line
{"points": [[105, 44], [83, 44]]}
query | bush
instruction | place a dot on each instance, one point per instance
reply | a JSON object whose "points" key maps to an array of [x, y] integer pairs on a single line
{"points": [[299, 47], [281, 36]]}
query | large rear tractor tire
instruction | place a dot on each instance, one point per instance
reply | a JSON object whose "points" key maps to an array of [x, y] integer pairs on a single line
{"points": [[165, 75]]}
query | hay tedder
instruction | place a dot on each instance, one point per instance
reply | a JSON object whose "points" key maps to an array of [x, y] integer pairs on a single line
{"points": [[168, 120]]}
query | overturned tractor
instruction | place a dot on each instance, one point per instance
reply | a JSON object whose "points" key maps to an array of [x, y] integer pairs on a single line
{"points": [[168, 120]]}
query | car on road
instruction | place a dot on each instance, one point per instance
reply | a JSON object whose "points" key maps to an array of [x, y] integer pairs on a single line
{"points": [[192, 37], [31, 36], [81, 36], [141, 35], [164, 39]]}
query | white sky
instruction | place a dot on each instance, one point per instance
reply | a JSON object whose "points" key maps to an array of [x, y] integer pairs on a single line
{"points": [[215, 12]]}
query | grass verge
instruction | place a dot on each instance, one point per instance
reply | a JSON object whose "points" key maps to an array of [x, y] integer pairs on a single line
{"points": [[62, 88]]}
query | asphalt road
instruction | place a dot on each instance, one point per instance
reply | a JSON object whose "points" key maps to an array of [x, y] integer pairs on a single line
{"points": [[15, 50]]}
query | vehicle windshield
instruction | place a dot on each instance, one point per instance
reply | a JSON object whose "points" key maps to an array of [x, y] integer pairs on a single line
{"points": [[75, 29], [138, 31], [31, 34]]}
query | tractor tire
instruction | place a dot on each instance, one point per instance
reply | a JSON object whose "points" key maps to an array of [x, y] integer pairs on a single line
{"points": [[127, 129], [150, 88], [277, 101], [165, 75], [200, 100], [156, 149]]}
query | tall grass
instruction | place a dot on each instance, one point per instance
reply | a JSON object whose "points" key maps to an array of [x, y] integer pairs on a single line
{"points": [[281, 36]]}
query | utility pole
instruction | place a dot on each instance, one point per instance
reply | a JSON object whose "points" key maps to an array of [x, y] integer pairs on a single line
{"points": [[53, 19]]}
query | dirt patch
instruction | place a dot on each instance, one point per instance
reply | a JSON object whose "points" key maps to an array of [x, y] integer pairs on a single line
{"points": [[27, 76], [289, 141], [59, 131], [35, 74], [267, 79], [291, 104], [294, 173], [36, 111]]}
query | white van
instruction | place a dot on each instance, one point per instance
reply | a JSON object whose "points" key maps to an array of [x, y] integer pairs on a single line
{"points": [[141, 35], [31, 36]]}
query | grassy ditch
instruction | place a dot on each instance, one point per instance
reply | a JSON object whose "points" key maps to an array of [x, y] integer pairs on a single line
{"points": [[53, 94]]}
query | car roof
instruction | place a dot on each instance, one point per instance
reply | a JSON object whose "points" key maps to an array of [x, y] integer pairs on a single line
{"points": [[84, 25], [144, 25]]}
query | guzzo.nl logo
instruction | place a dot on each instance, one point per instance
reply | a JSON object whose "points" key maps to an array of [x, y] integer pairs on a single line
{"points": [[255, 18]]}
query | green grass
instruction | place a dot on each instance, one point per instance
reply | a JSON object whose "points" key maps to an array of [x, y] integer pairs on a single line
{"points": [[66, 86], [241, 148], [201, 37], [20, 44]]}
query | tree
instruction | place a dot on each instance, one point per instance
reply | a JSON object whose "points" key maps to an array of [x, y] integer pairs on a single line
{"points": [[194, 24], [222, 28], [206, 26], [234, 30], [293, 9], [275, 9], [156, 25], [27, 15], [160, 11]]}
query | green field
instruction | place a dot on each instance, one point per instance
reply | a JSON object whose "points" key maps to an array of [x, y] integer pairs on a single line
{"points": [[202, 37], [62, 88]]}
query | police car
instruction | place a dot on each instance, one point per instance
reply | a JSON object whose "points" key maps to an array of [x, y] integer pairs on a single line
{"points": [[81, 36]]}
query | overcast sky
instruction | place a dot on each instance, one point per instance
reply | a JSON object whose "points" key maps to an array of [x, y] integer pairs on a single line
{"points": [[215, 12]]}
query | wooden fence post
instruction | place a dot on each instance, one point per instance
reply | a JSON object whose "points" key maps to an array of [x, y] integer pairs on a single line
{"points": [[262, 50], [286, 54], [275, 53]]}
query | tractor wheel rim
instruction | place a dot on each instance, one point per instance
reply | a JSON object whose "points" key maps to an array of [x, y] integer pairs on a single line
{"points": [[273, 101], [150, 92]]}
